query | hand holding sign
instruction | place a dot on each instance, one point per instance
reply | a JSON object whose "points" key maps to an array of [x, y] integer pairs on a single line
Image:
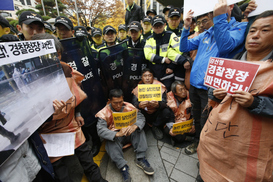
{"points": [[143, 104], [188, 19], [131, 129], [220, 93], [245, 99], [220, 8], [251, 7], [154, 104]]}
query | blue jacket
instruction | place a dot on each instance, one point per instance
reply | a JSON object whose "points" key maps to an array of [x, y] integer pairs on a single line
{"points": [[224, 39]]}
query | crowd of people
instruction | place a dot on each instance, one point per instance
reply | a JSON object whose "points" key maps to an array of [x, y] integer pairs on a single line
{"points": [[177, 47]]}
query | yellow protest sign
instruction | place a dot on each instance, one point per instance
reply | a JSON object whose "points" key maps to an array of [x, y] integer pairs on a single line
{"points": [[182, 127], [124, 119], [149, 92]]}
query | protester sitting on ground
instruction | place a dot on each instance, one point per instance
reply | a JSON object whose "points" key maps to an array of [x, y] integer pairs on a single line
{"points": [[64, 27], [135, 40], [97, 39], [179, 102], [109, 35], [122, 33], [223, 37], [151, 13], [242, 153], [115, 139], [70, 120], [147, 27], [156, 112]]}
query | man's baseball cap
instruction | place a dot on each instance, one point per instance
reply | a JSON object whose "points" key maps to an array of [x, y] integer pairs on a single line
{"points": [[151, 11], [147, 19], [4, 22], [28, 17], [158, 19], [96, 31], [64, 21], [174, 12], [167, 8], [80, 31], [135, 25], [48, 26], [122, 27], [108, 28]]}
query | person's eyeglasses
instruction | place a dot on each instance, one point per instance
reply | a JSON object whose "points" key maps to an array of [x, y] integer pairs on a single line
{"points": [[203, 22]]}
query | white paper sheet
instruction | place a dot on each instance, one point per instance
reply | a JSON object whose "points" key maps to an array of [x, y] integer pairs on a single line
{"points": [[263, 5], [59, 144], [202, 6]]}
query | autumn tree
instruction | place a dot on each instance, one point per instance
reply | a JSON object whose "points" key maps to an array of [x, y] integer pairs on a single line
{"points": [[95, 13], [117, 14]]}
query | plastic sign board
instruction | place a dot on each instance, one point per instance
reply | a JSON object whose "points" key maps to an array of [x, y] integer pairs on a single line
{"points": [[124, 119], [263, 5], [230, 74], [149, 92], [182, 127], [7, 5], [202, 6]]}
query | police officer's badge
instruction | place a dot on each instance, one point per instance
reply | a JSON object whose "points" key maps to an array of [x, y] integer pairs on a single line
{"points": [[176, 39]]}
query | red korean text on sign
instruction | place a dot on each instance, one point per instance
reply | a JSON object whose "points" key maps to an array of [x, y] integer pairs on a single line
{"points": [[230, 74]]}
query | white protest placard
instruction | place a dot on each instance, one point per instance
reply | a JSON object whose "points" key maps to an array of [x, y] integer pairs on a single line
{"points": [[202, 6], [59, 144], [11, 52], [31, 77], [263, 5]]}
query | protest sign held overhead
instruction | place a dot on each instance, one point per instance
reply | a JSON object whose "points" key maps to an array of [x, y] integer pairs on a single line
{"points": [[182, 127], [149, 92], [124, 119], [204, 6], [230, 74], [262, 6], [27, 90]]}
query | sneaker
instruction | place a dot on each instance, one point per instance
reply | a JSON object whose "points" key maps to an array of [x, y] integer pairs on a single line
{"points": [[191, 149], [125, 174], [158, 134], [145, 166]]}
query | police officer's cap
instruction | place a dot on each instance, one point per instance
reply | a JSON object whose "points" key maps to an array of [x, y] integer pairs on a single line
{"points": [[122, 27], [167, 8], [96, 31], [64, 21], [147, 19], [48, 26], [80, 31], [158, 19], [151, 11], [135, 25], [174, 12], [108, 28], [4, 22], [28, 17]]}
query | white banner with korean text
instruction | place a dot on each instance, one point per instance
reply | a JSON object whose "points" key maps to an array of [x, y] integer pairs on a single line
{"points": [[11, 52]]}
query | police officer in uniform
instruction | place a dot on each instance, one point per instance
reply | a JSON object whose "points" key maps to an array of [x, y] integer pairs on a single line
{"points": [[162, 50]]}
